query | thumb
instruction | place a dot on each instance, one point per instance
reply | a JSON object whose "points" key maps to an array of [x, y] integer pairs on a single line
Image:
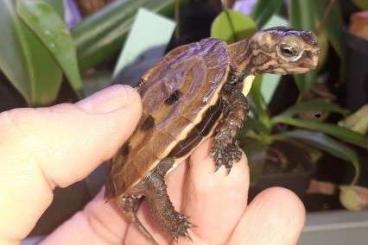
{"points": [[68, 141], [57, 146]]}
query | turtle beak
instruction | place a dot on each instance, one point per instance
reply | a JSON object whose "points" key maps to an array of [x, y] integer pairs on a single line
{"points": [[315, 51], [308, 61], [314, 57], [311, 55]]}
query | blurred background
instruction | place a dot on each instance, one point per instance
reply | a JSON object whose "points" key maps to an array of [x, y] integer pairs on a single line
{"points": [[307, 132]]}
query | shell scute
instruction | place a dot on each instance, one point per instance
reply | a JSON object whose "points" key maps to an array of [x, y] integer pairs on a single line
{"points": [[197, 73]]}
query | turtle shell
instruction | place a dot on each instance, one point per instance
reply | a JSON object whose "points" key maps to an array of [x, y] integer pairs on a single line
{"points": [[178, 95]]}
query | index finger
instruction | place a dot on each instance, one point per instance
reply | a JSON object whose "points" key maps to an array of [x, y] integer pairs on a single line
{"points": [[214, 201]]}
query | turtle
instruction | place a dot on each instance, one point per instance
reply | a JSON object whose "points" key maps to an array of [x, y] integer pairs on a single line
{"points": [[193, 93]]}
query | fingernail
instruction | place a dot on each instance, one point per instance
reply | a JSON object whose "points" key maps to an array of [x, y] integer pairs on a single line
{"points": [[110, 99]]}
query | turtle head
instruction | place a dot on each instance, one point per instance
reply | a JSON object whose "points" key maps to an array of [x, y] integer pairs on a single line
{"points": [[282, 50]]}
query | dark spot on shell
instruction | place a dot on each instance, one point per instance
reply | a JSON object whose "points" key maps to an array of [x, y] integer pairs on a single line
{"points": [[173, 97], [148, 123], [125, 149]]}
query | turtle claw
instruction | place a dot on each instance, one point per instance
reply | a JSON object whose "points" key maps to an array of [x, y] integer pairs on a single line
{"points": [[228, 169], [225, 156], [181, 228]]}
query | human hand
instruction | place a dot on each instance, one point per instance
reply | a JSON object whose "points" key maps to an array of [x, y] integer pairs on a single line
{"points": [[60, 145]]}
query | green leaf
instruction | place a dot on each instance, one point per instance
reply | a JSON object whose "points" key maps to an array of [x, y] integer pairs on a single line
{"points": [[256, 94], [58, 5], [321, 17], [330, 21], [103, 33], [324, 143], [45, 22], [358, 121], [264, 10], [12, 61], [304, 15], [313, 105], [231, 26], [362, 4], [45, 76], [253, 124], [260, 110], [304, 82], [96, 81], [323, 44], [25, 60], [331, 129], [104, 47], [327, 144], [106, 20], [334, 30], [270, 81]]}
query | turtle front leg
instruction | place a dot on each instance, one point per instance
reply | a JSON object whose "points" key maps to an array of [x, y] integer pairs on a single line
{"points": [[155, 191], [225, 150]]}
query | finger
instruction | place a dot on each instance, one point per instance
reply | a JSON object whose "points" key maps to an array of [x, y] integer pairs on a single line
{"points": [[77, 134], [276, 216], [109, 99], [99, 223], [175, 183], [57, 146], [214, 201]]}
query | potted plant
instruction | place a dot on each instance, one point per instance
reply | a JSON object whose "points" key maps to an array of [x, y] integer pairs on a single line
{"points": [[268, 127], [36, 40], [272, 137]]}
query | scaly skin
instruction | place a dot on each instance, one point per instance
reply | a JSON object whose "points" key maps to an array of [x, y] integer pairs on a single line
{"points": [[155, 192], [276, 50], [225, 150]]}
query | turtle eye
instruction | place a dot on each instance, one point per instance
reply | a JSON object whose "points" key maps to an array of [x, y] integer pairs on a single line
{"points": [[288, 52]]}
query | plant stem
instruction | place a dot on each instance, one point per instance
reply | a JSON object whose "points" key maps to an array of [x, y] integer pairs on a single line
{"points": [[177, 19], [224, 4], [232, 28], [357, 173], [325, 16], [235, 37]]}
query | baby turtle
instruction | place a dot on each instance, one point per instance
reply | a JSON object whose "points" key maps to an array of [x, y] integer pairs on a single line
{"points": [[194, 93]]}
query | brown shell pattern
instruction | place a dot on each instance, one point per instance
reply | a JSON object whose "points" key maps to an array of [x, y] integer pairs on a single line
{"points": [[176, 93]]}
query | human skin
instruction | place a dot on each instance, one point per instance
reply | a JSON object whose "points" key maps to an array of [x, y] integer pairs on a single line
{"points": [[44, 148]]}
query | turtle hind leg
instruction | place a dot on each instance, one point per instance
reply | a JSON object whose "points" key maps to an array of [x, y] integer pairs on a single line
{"points": [[171, 221], [225, 150], [130, 205]]}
